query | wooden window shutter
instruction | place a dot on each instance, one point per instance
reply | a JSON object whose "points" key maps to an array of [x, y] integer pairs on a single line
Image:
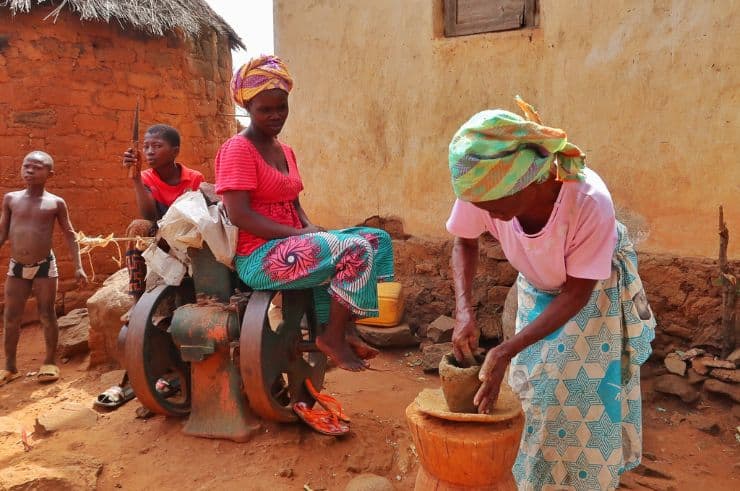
{"points": [[475, 16]]}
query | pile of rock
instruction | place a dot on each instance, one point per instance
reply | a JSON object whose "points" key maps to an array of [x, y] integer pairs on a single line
{"points": [[437, 336], [694, 370]]}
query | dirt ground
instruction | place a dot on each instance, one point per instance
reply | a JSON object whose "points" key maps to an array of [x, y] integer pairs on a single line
{"points": [[120, 451]]}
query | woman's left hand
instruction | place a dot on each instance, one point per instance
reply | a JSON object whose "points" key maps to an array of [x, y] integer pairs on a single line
{"points": [[491, 374], [312, 229]]}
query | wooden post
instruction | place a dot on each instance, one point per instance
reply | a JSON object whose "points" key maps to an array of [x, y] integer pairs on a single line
{"points": [[729, 290]]}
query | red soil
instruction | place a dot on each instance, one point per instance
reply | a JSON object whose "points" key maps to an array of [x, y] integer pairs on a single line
{"points": [[154, 454]]}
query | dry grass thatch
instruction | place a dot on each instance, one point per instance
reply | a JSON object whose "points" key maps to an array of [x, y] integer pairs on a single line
{"points": [[155, 17]]}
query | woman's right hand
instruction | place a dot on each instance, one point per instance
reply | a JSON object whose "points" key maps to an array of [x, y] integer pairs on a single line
{"points": [[133, 159], [465, 337]]}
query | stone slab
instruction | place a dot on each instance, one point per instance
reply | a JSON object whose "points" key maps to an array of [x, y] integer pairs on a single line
{"points": [[67, 416], [72, 318], [369, 482], [715, 363], [399, 336], [440, 330], [431, 356], [674, 364], [691, 354], [105, 309], [734, 357], [678, 386], [73, 340], [718, 387], [698, 365], [732, 376], [694, 378]]}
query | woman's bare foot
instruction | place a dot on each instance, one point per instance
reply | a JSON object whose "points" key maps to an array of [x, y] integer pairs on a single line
{"points": [[341, 353], [361, 349]]}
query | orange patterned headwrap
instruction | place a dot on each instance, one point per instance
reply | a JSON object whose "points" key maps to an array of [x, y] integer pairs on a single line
{"points": [[259, 74]]}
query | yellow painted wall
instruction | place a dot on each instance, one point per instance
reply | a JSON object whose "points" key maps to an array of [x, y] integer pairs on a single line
{"points": [[648, 89]]}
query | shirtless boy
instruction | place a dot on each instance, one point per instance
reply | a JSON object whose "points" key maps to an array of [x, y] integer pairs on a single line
{"points": [[27, 219]]}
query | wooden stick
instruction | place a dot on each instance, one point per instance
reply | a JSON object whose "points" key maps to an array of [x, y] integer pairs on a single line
{"points": [[114, 239], [729, 289]]}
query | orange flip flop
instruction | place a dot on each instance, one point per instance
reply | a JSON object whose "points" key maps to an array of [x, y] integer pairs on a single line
{"points": [[324, 422], [327, 402]]}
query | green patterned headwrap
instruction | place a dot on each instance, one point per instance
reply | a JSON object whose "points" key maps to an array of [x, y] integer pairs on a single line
{"points": [[497, 153]]}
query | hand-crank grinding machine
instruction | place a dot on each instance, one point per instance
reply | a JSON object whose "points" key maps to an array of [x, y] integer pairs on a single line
{"points": [[223, 350]]}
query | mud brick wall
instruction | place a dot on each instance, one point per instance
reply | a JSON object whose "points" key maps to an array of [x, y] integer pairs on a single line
{"points": [[681, 291], [70, 87]]}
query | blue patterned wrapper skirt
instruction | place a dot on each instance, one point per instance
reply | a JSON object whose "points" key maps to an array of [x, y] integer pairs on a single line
{"points": [[580, 386]]}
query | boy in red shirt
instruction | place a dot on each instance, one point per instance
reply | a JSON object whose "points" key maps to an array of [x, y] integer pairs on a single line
{"points": [[156, 188]]}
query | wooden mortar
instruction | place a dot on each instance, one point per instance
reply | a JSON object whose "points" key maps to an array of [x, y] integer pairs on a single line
{"points": [[464, 456]]}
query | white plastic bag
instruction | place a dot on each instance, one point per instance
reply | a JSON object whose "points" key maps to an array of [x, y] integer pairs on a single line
{"points": [[220, 235], [168, 267], [189, 221]]}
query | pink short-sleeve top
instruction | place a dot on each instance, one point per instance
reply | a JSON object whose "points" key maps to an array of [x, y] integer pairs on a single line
{"points": [[240, 167], [578, 239]]}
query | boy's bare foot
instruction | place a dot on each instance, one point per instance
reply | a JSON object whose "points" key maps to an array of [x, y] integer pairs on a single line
{"points": [[361, 349], [341, 353]]}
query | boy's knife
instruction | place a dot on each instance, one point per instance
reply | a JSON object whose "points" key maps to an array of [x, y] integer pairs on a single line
{"points": [[134, 169]]}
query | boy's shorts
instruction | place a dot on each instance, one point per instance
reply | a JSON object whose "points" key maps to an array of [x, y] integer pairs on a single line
{"points": [[46, 268]]}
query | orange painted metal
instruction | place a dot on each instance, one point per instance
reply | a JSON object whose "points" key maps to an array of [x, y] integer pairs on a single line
{"points": [[227, 357], [204, 335]]}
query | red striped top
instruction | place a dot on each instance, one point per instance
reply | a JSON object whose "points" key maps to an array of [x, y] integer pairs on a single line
{"points": [[240, 167]]}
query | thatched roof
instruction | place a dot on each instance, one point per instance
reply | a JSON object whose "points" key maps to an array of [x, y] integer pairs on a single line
{"points": [[155, 17]]}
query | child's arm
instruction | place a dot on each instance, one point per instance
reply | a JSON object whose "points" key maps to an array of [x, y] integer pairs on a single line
{"points": [[144, 199], [5, 220], [69, 236]]}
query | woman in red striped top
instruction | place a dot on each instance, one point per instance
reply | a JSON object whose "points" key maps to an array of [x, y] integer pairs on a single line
{"points": [[278, 246]]}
